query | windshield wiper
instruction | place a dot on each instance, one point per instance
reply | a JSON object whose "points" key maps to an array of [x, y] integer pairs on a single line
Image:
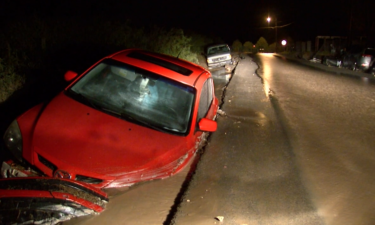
{"points": [[85, 99], [119, 114], [127, 117], [141, 122], [132, 119], [172, 129]]}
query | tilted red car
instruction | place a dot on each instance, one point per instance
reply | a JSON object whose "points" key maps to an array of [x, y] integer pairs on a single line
{"points": [[132, 116]]}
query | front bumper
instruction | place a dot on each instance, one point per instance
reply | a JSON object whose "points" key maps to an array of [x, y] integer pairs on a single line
{"points": [[219, 64], [44, 200]]}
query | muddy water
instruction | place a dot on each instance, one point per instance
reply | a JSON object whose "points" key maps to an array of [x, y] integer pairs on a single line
{"points": [[145, 203]]}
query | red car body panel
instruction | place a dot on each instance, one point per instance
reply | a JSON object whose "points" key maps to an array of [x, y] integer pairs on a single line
{"points": [[85, 141], [36, 200]]}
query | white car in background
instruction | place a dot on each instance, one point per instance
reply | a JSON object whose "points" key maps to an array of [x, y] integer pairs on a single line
{"points": [[218, 55]]}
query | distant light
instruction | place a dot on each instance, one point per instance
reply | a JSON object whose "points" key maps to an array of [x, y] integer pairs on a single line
{"points": [[268, 19], [283, 42]]}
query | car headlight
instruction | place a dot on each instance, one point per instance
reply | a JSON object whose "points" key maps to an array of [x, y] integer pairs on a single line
{"points": [[209, 60], [13, 140]]}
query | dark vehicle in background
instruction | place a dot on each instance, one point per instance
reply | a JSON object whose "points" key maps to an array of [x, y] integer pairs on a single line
{"points": [[345, 59], [366, 60], [218, 55], [356, 58]]}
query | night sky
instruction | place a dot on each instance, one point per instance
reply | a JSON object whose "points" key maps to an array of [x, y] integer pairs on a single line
{"points": [[244, 20]]}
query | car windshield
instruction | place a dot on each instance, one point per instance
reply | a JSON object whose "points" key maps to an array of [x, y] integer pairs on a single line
{"points": [[218, 49], [136, 95]]}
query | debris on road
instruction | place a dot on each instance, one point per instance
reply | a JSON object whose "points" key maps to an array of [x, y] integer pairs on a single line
{"points": [[220, 218], [221, 112]]}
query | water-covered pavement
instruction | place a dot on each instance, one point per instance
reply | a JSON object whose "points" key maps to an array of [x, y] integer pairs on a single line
{"points": [[247, 174], [329, 121]]}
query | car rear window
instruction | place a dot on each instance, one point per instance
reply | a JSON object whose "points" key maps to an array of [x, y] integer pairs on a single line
{"points": [[160, 62]]}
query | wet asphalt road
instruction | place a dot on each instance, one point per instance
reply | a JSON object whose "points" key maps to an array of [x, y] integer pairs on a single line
{"points": [[330, 122], [248, 173], [296, 147]]}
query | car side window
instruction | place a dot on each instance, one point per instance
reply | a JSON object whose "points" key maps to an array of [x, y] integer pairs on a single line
{"points": [[205, 100]]}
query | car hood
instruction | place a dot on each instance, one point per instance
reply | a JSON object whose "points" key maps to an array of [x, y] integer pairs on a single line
{"points": [[82, 140]]}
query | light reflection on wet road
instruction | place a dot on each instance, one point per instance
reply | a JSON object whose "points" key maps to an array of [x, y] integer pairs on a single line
{"points": [[330, 121]]}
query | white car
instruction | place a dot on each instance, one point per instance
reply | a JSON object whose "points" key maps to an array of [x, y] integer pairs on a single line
{"points": [[218, 55]]}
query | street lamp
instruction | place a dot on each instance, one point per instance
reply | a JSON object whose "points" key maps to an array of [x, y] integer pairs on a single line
{"points": [[269, 20]]}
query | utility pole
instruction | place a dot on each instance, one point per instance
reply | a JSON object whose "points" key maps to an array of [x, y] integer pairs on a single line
{"points": [[275, 35], [269, 20]]}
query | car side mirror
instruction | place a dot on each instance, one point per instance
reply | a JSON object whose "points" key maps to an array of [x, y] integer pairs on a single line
{"points": [[70, 75], [207, 125]]}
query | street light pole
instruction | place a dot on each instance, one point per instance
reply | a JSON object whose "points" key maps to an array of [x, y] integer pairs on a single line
{"points": [[269, 19], [275, 35]]}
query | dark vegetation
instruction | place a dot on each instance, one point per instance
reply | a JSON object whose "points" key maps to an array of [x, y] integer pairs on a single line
{"points": [[35, 52]]}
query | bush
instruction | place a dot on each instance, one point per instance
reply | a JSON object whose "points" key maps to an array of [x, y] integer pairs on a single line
{"points": [[10, 81], [36, 37], [248, 47], [174, 43], [237, 46]]}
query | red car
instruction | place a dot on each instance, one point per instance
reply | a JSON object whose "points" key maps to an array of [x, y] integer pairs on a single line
{"points": [[133, 116]]}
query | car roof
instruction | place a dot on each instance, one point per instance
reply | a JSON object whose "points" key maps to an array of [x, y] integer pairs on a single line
{"points": [[168, 66]]}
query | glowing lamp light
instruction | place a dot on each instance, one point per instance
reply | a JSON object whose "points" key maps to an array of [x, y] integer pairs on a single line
{"points": [[283, 42]]}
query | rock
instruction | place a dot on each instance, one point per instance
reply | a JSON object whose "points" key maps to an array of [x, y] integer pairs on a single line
{"points": [[220, 218], [221, 112]]}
